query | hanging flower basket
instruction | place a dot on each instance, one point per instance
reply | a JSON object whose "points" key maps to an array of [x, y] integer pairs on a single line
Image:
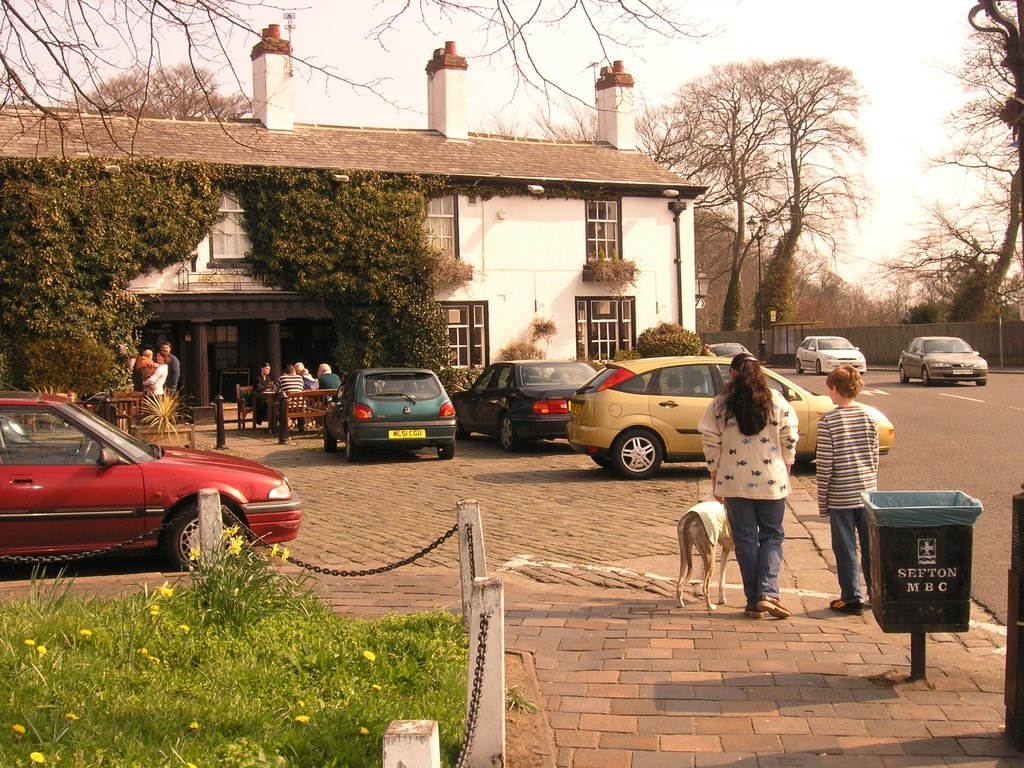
{"points": [[449, 273]]}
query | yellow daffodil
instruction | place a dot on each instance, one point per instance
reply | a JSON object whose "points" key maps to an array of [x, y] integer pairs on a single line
{"points": [[191, 765], [183, 628], [235, 545], [363, 731], [273, 551], [376, 687], [193, 726], [30, 642], [41, 650], [194, 554], [230, 532], [71, 716], [301, 704], [86, 633], [154, 659], [166, 591], [143, 652], [18, 728], [284, 554], [154, 610], [304, 719], [37, 757], [369, 655]]}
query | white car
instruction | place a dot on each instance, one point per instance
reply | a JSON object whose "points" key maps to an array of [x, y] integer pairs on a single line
{"points": [[826, 353]]}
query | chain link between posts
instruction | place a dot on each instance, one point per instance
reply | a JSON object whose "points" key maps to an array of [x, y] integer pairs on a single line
{"points": [[54, 559], [475, 695]]}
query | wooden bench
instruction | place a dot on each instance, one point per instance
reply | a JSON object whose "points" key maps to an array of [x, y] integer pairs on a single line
{"points": [[309, 404], [244, 405]]}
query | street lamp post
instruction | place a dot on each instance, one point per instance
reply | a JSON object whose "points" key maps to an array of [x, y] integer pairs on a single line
{"points": [[762, 346]]}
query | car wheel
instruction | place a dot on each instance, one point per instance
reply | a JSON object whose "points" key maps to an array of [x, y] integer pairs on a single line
{"points": [[507, 437], [925, 378], [602, 462], [352, 451], [330, 441], [636, 454], [799, 365], [817, 367], [181, 536], [446, 450], [981, 382], [461, 433], [903, 375]]}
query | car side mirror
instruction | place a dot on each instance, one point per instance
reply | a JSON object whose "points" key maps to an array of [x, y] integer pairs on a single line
{"points": [[790, 394], [108, 458]]}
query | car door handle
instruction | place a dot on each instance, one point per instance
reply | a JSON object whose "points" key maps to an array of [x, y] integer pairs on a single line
{"points": [[21, 480], [669, 404]]}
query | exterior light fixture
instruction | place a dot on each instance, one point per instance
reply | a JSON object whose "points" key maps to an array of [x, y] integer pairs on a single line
{"points": [[535, 189], [112, 169], [762, 347], [341, 177], [670, 193], [703, 287]]}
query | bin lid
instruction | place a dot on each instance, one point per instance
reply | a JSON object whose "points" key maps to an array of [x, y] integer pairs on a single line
{"points": [[913, 509]]}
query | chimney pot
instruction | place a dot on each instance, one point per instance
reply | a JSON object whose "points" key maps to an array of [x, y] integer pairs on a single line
{"points": [[617, 67], [449, 48], [273, 30]]}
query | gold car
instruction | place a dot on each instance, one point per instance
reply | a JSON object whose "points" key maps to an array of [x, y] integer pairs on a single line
{"points": [[635, 414]]}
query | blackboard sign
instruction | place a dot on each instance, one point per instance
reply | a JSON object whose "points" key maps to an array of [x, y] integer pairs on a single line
{"points": [[229, 378]]}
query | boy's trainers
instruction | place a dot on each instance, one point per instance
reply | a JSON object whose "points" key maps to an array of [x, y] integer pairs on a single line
{"points": [[855, 607], [751, 612]]}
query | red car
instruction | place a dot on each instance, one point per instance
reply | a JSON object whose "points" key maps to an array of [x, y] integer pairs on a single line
{"points": [[73, 483]]}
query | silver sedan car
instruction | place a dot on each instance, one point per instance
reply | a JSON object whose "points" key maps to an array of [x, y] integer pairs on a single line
{"points": [[942, 358]]}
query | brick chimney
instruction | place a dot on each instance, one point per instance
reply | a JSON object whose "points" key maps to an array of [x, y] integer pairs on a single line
{"points": [[272, 80], [446, 93], [616, 122]]}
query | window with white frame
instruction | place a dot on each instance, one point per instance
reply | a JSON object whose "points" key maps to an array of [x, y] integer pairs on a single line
{"points": [[602, 230], [441, 225], [229, 242], [604, 325], [467, 333]]}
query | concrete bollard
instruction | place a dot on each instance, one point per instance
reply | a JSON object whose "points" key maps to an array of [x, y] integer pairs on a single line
{"points": [[472, 563], [487, 748], [282, 418], [412, 744], [218, 402], [211, 525]]}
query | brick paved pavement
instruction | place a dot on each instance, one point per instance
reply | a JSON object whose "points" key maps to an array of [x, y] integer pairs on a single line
{"points": [[628, 678]]}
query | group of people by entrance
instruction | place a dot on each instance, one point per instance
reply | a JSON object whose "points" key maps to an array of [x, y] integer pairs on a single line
{"points": [[156, 374], [750, 434], [295, 378]]}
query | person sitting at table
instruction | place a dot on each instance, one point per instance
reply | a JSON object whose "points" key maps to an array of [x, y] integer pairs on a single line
{"points": [[327, 379], [265, 384], [291, 381]]}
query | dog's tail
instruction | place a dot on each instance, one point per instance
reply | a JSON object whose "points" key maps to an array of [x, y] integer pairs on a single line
{"points": [[685, 550]]}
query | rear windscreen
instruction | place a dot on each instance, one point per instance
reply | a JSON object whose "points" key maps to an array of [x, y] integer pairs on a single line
{"points": [[420, 385]]}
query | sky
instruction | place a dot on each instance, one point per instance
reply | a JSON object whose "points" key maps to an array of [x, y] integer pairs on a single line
{"points": [[896, 50]]}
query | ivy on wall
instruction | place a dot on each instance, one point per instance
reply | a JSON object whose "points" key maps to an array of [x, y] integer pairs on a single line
{"points": [[74, 234]]}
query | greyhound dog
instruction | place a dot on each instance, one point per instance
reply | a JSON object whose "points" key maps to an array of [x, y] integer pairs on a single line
{"points": [[703, 526]]}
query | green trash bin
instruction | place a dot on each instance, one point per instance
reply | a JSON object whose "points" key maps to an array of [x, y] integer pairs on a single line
{"points": [[921, 544]]}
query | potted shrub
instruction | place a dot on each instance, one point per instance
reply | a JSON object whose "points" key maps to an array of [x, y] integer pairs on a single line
{"points": [[164, 420], [447, 272], [618, 274]]}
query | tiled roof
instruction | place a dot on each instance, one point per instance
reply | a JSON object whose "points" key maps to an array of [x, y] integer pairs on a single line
{"points": [[245, 142]]}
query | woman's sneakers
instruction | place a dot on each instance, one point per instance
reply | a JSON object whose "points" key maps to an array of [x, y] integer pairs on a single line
{"points": [[752, 612], [854, 607], [772, 606]]}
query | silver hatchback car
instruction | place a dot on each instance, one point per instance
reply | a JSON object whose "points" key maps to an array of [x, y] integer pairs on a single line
{"points": [[942, 358]]}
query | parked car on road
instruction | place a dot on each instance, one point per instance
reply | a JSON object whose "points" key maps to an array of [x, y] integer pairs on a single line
{"points": [[942, 358], [635, 414], [73, 483], [520, 400], [390, 407], [728, 348], [822, 354]]}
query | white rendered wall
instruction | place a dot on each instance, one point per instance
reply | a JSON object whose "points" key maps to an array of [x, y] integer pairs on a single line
{"points": [[528, 255], [272, 91], [447, 103]]}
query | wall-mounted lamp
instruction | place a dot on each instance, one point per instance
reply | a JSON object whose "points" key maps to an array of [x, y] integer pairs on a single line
{"points": [[341, 177], [672, 193], [502, 214], [535, 189], [701, 289], [112, 169]]}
